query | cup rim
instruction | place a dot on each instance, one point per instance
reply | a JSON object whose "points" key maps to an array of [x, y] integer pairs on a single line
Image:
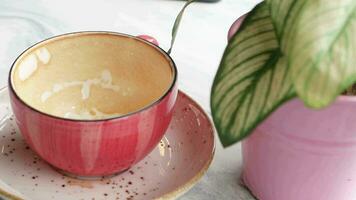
{"points": [[148, 106]]}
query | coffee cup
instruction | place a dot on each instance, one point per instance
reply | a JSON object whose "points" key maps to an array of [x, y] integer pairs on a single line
{"points": [[93, 104]]}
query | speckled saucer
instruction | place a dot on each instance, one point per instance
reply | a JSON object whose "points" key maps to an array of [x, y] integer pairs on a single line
{"points": [[172, 168]]}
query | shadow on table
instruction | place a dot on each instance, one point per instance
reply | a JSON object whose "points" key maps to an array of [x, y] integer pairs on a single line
{"points": [[220, 185]]}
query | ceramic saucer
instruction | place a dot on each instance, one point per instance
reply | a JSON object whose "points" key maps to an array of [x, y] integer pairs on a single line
{"points": [[172, 168]]}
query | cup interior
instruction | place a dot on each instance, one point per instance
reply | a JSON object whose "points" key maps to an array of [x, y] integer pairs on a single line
{"points": [[92, 75]]}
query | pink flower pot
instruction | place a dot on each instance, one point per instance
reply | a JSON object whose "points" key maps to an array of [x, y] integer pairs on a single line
{"points": [[235, 26], [299, 153], [302, 154]]}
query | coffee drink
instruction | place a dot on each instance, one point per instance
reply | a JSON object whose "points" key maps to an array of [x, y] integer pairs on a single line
{"points": [[92, 75]]}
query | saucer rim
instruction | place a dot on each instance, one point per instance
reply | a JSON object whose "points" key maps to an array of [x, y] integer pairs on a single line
{"points": [[178, 191], [8, 195]]}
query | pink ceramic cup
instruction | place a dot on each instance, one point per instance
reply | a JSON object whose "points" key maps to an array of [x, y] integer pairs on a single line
{"points": [[96, 147]]}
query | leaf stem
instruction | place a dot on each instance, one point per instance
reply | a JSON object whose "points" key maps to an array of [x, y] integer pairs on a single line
{"points": [[176, 24]]}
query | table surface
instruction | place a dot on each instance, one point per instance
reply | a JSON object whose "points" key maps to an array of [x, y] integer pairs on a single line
{"points": [[197, 53]]}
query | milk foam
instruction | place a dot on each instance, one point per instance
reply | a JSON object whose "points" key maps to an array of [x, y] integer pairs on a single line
{"points": [[27, 67], [30, 64], [43, 55], [89, 114], [105, 81]]}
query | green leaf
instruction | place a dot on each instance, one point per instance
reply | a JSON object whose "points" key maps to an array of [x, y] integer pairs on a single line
{"points": [[252, 79], [281, 13], [176, 24], [319, 40]]}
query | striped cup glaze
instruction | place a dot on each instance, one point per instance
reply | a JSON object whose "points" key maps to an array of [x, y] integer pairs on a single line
{"points": [[93, 148]]}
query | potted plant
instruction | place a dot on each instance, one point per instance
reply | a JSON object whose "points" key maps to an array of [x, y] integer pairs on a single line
{"points": [[280, 79]]}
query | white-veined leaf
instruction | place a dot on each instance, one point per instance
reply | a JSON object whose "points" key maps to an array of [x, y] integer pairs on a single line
{"points": [[319, 39], [252, 79]]}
